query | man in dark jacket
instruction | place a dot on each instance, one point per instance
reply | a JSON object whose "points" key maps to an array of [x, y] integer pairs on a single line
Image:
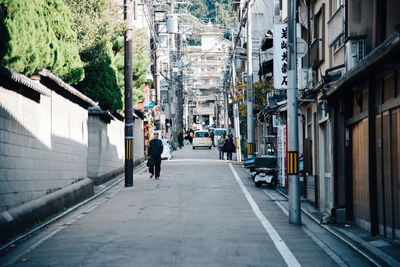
{"points": [[229, 147], [180, 139], [155, 150]]}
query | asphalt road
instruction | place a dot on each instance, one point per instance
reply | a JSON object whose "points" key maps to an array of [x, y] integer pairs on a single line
{"points": [[202, 212]]}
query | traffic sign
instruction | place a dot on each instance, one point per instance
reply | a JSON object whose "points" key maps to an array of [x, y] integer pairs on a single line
{"points": [[172, 115], [149, 105], [301, 47]]}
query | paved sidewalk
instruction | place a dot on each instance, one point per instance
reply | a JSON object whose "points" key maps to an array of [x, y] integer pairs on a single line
{"points": [[384, 252]]}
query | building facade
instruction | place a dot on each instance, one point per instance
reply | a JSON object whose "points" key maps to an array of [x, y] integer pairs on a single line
{"points": [[206, 64]]}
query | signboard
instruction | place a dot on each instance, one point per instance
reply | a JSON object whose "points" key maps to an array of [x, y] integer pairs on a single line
{"points": [[301, 46], [173, 115], [280, 56], [156, 113], [149, 105], [244, 78]]}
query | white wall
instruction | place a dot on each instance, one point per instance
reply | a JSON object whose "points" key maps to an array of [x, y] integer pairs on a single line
{"points": [[43, 146]]}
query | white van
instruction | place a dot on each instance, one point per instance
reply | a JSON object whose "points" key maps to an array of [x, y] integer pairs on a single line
{"points": [[201, 139]]}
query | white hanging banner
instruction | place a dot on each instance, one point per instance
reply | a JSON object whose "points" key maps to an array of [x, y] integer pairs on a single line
{"points": [[280, 56]]}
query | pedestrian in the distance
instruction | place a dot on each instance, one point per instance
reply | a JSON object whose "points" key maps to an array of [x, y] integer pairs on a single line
{"points": [[212, 138], [155, 150], [221, 144], [230, 147], [180, 139], [191, 136]]}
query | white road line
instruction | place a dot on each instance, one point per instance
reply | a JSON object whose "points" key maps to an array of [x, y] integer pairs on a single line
{"points": [[196, 160], [283, 249], [322, 245]]}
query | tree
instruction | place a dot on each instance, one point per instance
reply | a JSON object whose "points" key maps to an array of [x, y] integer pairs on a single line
{"points": [[100, 28], [140, 62], [219, 12], [38, 34], [101, 83], [96, 21]]}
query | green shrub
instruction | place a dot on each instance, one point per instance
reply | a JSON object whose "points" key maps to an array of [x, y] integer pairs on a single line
{"points": [[38, 35]]}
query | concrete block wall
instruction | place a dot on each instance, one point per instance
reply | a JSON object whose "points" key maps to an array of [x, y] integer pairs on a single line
{"points": [[138, 141], [106, 146], [43, 146], [106, 150]]}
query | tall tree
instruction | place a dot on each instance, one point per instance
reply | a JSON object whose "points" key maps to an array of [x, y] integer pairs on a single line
{"points": [[100, 28], [38, 34]]}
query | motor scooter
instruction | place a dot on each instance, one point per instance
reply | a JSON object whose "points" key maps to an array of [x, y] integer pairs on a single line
{"points": [[265, 170]]}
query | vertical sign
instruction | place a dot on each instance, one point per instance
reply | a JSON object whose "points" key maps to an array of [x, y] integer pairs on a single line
{"points": [[280, 56]]}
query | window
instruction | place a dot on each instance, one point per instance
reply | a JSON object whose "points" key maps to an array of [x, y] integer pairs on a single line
{"points": [[338, 43], [203, 134], [319, 33], [309, 123]]}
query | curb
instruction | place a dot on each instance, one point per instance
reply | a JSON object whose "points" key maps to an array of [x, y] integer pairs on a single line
{"points": [[112, 174], [20, 218], [24, 235], [107, 176]]}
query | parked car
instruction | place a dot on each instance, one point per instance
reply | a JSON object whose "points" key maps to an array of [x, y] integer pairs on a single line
{"points": [[167, 151], [201, 139]]}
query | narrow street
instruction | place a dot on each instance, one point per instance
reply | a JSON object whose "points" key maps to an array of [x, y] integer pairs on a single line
{"points": [[198, 214]]}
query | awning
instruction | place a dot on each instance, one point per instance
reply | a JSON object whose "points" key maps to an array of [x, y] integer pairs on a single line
{"points": [[267, 43], [389, 49]]}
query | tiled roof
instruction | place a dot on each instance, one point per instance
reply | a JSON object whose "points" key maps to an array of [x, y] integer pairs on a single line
{"points": [[22, 79]]}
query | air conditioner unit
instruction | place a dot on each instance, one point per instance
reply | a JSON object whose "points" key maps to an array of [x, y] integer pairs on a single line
{"points": [[355, 52]]}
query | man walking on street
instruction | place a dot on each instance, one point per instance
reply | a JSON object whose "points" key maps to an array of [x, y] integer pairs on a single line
{"points": [[229, 147], [155, 150], [180, 139]]}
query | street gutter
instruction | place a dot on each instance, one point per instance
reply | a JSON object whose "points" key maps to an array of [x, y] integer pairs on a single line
{"points": [[22, 237], [343, 239]]}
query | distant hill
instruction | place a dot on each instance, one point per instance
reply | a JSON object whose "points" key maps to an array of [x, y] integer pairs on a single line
{"points": [[214, 11]]}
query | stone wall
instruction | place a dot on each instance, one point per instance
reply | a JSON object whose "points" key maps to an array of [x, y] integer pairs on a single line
{"points": [[107, 146], [48, 141], [43, 146]]}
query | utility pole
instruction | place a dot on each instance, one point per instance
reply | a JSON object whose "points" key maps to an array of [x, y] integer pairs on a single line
{"points": [[236, 119], [180, 83], [293, 136], [225, 93], [250, 119], [128, 73]]}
